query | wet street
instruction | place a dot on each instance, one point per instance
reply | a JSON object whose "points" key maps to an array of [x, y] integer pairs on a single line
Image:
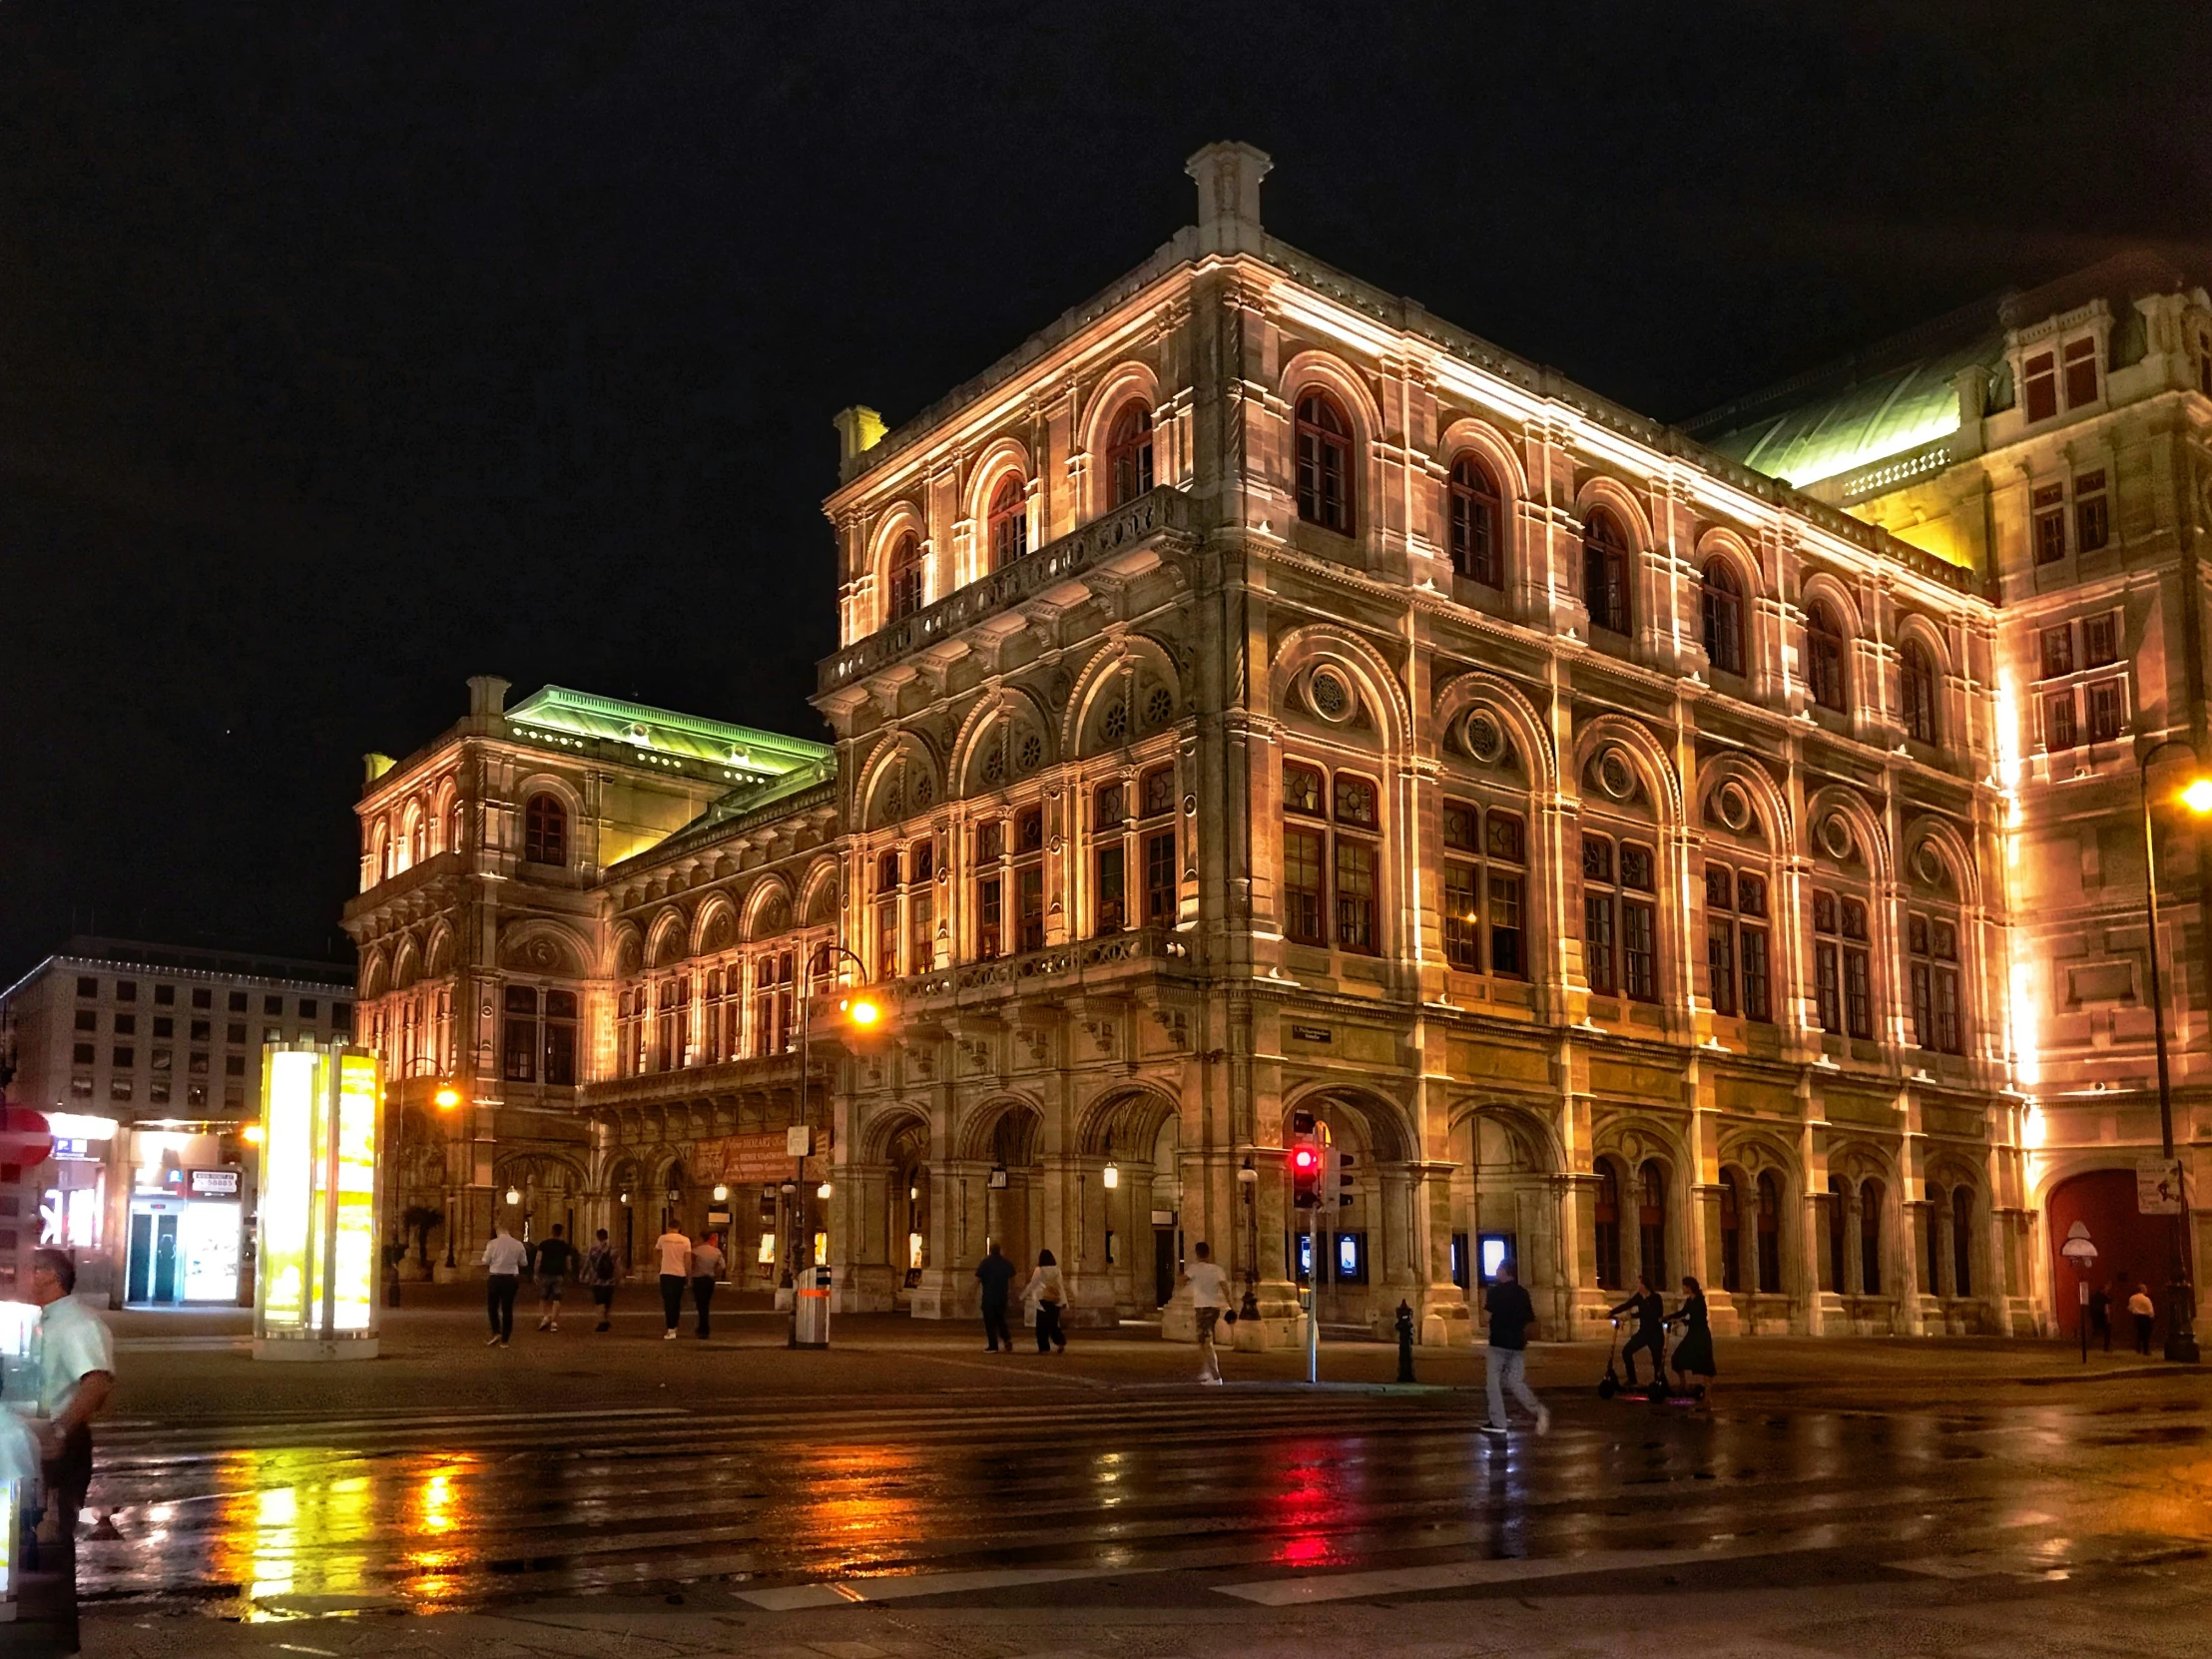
{"points": [[912, 1470]]}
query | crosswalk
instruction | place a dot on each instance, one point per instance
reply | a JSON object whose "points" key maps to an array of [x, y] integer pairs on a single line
{"points": [[1271, 1498]]}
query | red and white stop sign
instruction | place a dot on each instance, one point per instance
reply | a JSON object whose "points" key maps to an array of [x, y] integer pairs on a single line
{"points": [[24, 1137]]}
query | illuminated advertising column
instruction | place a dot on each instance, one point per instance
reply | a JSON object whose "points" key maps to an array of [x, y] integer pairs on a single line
{"points": [[321, 1123]]}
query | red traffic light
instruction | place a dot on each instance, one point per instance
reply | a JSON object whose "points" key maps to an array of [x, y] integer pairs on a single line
{"points": [[1306, 1170], [1305, 1157]]}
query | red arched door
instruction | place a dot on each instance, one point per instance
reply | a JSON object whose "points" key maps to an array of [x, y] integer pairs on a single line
{"points": [[2131, 1248]]}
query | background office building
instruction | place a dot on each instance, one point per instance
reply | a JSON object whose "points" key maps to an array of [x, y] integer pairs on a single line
{"points": [[147, 1061]]}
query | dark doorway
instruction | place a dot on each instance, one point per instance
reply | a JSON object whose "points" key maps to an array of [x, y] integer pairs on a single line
{"points": [[1163, 1265]]}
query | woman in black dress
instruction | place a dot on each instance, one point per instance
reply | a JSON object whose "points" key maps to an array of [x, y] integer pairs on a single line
{"points": [[1692, 1352]]}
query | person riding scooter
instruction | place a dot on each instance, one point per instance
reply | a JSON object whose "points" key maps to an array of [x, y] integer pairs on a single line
{"points": [[1651, 1315]]}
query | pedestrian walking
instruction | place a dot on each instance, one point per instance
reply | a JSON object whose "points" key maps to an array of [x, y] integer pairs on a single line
{"points": [[504, 1258], [707, 1266], [2100, 1317], [76, 1378], [1693, 1353], [555, 1264], [600, 1269], [997, 1276], [1209, 1300], [674, 1248], [1650, 1337], [1512, 1317], [1046, 1289], [2146, 1311]]}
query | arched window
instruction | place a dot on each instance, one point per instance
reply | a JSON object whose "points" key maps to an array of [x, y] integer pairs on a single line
{"points": [[1823, 658], [1918, 688], [419, 836], [545, 831], [1732, 1232], [1870, 1235], [1836, 1199], [1651, 1223], [905, 577], [1323, 463], [455, 839], [1770, 1235], [1722, 606], [1010, 522], [1605, 571], [1962, 1240], [1607, 1212], [1476, 520], [1129, 453], [1934, 1284]]}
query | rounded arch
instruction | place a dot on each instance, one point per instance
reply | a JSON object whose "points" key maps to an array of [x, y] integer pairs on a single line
{"points": [[980, 1139], [1825, 588], [1917, 627], [1531, 738], [1858, 1159], [818, 892], [625, 949], [1312, 368], [445, 797], [414, 835], [534, 829], [1381, 1122], [1839, 800], [1470, 435], [1757, 1152], [1126, 382], [715, 928], [1124, 1118], [883, 1127], [1015, 706], [438, 958], [376, 975], [1099, 683], [767, 909], [899, 520], [1320, 641], [1530, 1131], [1718, 541], [1770, 807], [1941, 833], [539, 945], [406, 964], [1003, 454], [1633, 1139], [670, 938], [1604, 490], [1654, 770], [907, 759]]}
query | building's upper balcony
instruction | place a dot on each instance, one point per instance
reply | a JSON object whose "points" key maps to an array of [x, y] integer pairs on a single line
{"points": [[1106, 542]]}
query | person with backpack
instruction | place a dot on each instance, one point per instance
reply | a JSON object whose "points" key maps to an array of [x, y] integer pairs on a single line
{"points": [[600, 1269]]}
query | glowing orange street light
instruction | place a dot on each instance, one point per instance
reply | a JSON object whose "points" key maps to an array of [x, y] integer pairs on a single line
{"points": [[860, 1011], [447, 1098], [2198, 796], [251, 1134]]}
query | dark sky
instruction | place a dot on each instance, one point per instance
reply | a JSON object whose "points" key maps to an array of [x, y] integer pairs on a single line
{"points": [[349, 351]]}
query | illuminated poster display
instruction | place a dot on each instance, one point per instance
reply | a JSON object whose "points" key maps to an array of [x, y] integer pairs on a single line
{"points": [[321, 1123]]}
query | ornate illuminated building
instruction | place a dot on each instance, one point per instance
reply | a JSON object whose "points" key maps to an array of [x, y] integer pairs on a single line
{"points": [[1256, 698]]}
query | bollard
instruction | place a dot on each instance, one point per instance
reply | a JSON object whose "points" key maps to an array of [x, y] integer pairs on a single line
{"points": [[1404, 1342]]}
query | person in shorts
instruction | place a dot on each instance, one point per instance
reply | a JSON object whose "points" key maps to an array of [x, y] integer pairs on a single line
{"points": [[555, 1264], [1209, 1300], [601, 1269]]}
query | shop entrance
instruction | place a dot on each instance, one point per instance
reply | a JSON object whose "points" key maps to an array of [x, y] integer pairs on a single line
{"points": [[152, 1258]]}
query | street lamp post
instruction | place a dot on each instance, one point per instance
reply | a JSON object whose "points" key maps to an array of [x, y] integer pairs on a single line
{"points": [[795, 1258], [1247, 1179], [2181, 1336]]}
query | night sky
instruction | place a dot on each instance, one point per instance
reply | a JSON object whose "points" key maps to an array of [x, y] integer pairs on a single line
{"points": [[346, 351]]}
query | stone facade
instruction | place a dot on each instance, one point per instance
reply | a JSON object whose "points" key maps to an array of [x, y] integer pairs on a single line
{"points": [[1257, 698]]}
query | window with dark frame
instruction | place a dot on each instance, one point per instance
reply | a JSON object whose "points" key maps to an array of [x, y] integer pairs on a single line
{"points": [[2107, 700], [2101, 639], [2092, 514], [1732, 1233], [1825, 647], [1605, 571], [1620, 919], [1735, 942], [1841, 965], [1916, 682], [1159, 887], [1007, 526], [1477, 519], [545, 831], [1931, 944], [1304, 855], [1770, 1233], [2059, 734], [2039, 386], [1129, 452], [2080, 357], [2047, 522], [905, 575], [1485, 851], [519, 1034], [2054, 654], [1322, 437], [1721, 607], [1606, 1225], [1357, 864]]}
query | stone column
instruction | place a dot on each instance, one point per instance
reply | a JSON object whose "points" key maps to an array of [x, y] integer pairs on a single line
{"points": [[1439, 1306]]}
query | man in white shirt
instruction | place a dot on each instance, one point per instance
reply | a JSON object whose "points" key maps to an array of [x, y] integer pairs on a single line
{"points": [[676, 1271], [1209, 1300], [76, 1378], [504, 1260]]}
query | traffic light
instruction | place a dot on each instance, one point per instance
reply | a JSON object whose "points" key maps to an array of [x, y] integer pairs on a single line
{"points": [[1307, 1165]]}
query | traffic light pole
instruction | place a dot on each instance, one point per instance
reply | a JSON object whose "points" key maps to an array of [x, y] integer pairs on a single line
{"points": [[1313, 1294]]}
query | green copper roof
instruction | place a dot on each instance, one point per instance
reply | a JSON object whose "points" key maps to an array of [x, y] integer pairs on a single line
{"points": [[766, 754], [1885, 412]]}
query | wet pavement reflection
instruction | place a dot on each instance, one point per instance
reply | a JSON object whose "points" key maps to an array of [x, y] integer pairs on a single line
{"points": [[462, 1511]]}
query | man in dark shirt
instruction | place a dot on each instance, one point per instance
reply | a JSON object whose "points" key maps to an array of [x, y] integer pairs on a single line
{"points": [[1512, 1317], [556, 1261], [1651, 1322], [996, 1274]]}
